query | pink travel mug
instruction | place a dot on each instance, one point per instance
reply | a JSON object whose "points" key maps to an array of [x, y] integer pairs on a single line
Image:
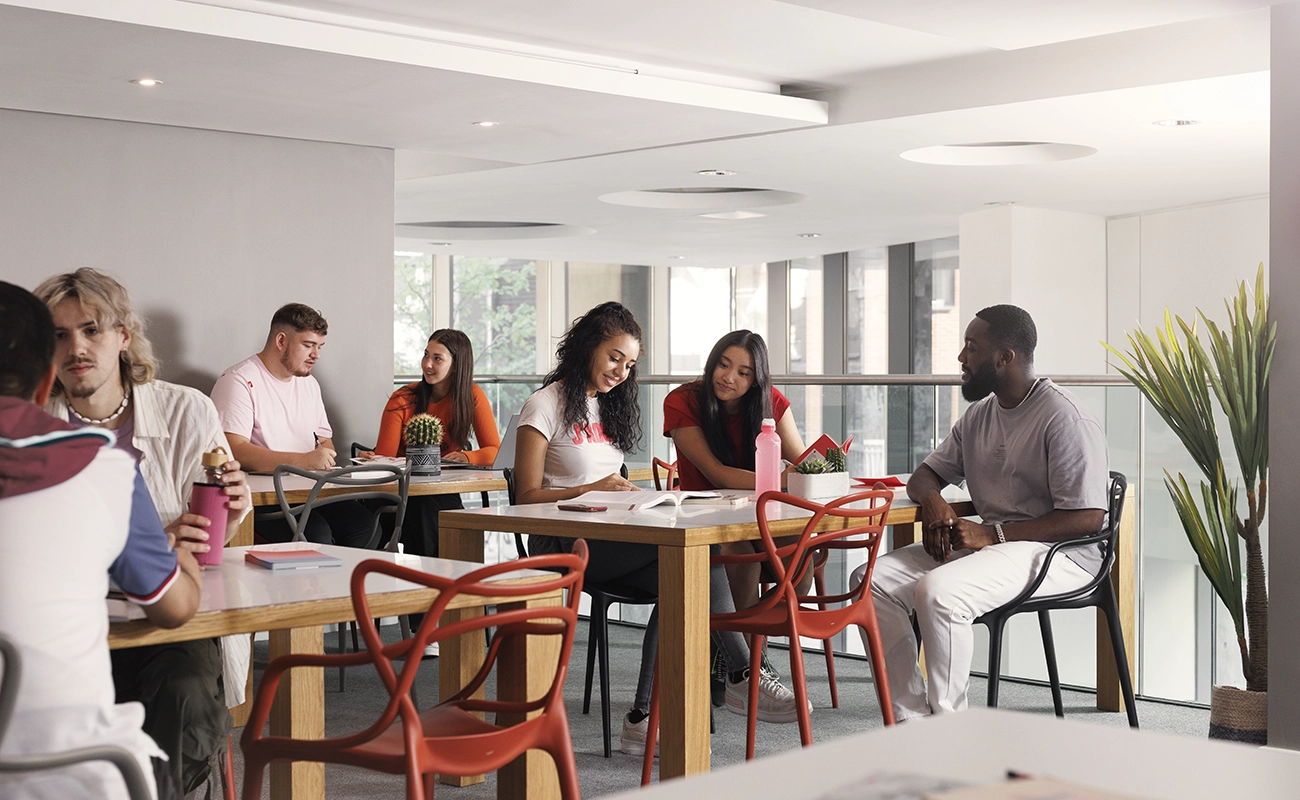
{"points": [[208, 499]]}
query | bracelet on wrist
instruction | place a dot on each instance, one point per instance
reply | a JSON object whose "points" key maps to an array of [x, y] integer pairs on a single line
{"points": [[1002, 537]]}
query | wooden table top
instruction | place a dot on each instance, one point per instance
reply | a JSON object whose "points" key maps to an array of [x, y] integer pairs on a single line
{"points": [[242, 598], [451, 481], [686, 526]]}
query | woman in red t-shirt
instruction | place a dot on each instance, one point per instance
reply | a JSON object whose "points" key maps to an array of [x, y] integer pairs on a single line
{"points": [[713, 423]]}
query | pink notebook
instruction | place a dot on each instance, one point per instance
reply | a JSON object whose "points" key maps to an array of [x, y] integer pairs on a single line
{"points": [[304, 558]]}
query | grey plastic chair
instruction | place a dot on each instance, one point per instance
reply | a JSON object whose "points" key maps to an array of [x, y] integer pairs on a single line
{"points": [[297, 516], [136, 785]]}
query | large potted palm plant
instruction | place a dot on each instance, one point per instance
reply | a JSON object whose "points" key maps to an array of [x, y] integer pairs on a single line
{"points": [[1184, 376]]}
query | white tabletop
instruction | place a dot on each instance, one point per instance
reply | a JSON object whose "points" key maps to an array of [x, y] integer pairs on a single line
{"points": [[979, 745]]}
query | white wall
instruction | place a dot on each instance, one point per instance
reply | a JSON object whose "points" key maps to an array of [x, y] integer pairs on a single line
{"points": [[1050, 263], [210, 233]]}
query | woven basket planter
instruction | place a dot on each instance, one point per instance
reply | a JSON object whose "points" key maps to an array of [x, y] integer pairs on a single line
{"points": [[1237, 715], [424, 459]]}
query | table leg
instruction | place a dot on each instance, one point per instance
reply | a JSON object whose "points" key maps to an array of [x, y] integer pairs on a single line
{"points": [[299, 712], [526, 669], [683, 661], [903, 535], [459, 659], [1124, 577]]}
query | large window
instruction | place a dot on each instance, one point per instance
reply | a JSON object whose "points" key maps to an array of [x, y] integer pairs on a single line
{"points": [[494, 301], [699, 315], [412, 310]]}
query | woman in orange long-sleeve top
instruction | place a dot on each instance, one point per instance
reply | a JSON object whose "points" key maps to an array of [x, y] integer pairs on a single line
{"points": [[447, 392]]}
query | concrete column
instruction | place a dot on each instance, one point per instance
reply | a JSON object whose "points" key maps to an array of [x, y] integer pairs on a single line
{"points": [[1284, 445], [1050, 263]]}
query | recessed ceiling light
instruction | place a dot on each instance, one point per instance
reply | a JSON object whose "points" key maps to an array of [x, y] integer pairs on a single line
{"points": [[1001, 203], [809, 235], [487, 124], [677, 257], [716, 173], [440, 244], [1175, 123], [733, 215], [147, 82]]}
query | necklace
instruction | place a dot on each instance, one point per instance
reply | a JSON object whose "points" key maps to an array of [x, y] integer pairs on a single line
{"points": [[1017, 405], [125, 399]]}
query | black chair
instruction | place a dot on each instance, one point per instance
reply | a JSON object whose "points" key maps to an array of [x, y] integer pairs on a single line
{"points": [[382, 501], [603, 595], [136, 786], [1098, 593]]}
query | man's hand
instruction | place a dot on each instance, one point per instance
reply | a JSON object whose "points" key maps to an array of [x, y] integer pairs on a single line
{"points": [[188, 532], [241, 497], [321, 458], [970, 535], [937, 520]]}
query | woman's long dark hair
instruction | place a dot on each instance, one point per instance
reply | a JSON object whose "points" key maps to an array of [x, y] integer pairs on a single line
{"points": [[458, 428], [620, 408], [754, 406]]}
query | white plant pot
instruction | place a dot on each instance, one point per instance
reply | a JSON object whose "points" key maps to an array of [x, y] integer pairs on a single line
{"points": [[824, 486], [424, 459]]}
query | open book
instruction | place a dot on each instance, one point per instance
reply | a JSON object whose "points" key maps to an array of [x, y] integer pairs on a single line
{"points": [[635, 501]]}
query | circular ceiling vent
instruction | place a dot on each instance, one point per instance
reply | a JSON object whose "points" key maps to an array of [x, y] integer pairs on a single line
{"points": [[464, 229], [714, 198], [996, 154]]}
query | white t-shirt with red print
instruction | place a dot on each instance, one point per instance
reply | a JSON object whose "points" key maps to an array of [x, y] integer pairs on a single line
{"points": [[574, 455]]}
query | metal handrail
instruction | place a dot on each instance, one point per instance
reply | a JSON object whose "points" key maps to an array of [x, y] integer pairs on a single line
{"points": [[817, 380]]}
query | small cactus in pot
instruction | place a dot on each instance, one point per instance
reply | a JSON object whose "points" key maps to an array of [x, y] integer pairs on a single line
{"points": [[423, 434]]}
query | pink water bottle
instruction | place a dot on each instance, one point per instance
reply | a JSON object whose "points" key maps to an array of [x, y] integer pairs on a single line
{"points": [[208, 499], [767, 460]]}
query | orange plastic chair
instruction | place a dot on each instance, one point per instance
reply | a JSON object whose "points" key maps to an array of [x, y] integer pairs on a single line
{"points": [[451, 738], [782, 612], [670, 474]]}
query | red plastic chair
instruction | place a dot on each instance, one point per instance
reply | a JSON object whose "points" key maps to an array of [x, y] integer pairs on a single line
{"points": [[782, 612], [670, 474], [451, 738]]}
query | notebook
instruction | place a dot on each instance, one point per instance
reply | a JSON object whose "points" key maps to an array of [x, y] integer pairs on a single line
{"points": [[300, 558]]}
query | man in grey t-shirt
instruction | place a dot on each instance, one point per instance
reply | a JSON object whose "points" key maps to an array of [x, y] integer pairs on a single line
{"points": [[1035, 462]]}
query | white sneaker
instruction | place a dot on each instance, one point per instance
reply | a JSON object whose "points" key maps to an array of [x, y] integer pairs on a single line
{"points": [[775, 702], [632, 740], [431, 650]]}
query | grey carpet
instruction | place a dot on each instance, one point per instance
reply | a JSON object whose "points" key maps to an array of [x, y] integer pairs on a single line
{"points": [[858, 711]]}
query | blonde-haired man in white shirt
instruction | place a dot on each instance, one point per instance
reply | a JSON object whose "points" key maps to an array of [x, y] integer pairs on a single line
{"points": [[106, 371]]}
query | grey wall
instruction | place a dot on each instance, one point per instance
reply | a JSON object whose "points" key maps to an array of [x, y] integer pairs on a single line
{"points": [[210, 233], [1284, 444]]}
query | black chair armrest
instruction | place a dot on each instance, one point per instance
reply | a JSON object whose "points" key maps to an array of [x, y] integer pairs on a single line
{"points": [[1029, 590]]}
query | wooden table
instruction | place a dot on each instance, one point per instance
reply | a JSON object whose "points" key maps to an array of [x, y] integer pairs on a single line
{"points": [[241, 598], [683, 538], [978, 746]]}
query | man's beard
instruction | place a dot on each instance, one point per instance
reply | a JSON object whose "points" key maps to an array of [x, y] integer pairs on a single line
{"points": [[300, 371], [83, 389], [983, 382]]}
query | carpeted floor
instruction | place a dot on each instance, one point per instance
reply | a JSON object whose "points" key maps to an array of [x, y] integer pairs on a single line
{"points": [[859, 711]]}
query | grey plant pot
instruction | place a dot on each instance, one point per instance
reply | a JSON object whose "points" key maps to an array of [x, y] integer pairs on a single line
{"points": [[424, 459]]}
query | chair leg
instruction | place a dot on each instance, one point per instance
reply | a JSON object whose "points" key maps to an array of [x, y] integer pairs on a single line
{"points": [[756, 646], [828, 645], [1111, 609], [604, 680], [404, 624], [876, 650], [594, 631], [799, 680], [228, 771], [995, 659], [1049, 650], [343, 648]]}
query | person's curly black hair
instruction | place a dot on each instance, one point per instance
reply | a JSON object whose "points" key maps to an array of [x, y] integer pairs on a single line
{"points": [[620, 409]]}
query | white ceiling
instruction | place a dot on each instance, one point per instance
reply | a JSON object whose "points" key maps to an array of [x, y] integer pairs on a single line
{"points": [[597, 96]]}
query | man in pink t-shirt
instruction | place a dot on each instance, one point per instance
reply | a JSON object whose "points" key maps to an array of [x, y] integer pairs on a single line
{"points": [[272, 413]]}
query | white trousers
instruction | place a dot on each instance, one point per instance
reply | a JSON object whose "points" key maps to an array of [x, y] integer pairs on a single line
{"points": [[947, 597]]}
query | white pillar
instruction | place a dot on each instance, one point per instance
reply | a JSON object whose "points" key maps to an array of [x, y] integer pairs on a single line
{"points": [[1050, 263]]}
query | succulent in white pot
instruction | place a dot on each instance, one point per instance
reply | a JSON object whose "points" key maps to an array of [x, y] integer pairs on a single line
{"points": [[820, 478]]}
